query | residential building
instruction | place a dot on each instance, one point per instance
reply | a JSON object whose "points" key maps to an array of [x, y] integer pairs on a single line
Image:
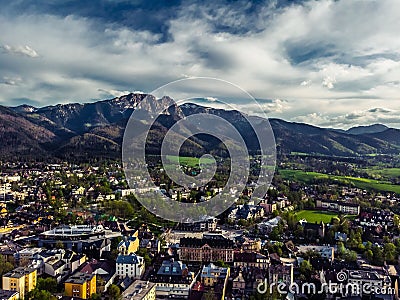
{"points": [[363, 278], [368, 280], [251, 259], [152, 245], [269, 208], [211, 274], [140, 290], [210, 224], [268, 225], [216, 278], [251, 245], [209, 249], [327, 252], [22, 280], [281, 273], [376, 218], [246, 212], [131, 266], [104, 270], [173, 280], [60, 263], [80, 285], [129, 244], [24, 256], [239, 284], [338, 206]]}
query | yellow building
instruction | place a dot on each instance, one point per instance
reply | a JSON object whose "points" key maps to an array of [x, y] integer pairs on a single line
{"points": [[80, 285], [128, 245], [3, 211], [212, 274], [22, 280]]}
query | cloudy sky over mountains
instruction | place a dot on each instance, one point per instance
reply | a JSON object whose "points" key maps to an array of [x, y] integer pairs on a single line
{"points": [[329, 63]]}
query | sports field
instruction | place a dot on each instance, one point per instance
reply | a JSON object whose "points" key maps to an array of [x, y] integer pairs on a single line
{"points": [[313, 216]]}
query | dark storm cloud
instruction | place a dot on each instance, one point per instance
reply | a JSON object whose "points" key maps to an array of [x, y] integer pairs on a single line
{"points": [[139, 15], [300, 51]]}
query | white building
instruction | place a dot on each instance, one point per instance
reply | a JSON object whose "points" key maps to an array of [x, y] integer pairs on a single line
{"points": [[131, 266], [327, 252]]}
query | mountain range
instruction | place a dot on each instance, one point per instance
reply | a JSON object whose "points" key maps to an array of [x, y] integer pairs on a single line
{"points": [[95, 130]]}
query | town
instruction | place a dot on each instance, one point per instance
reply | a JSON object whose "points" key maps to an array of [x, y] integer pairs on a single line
{"points": [[76, 231]]}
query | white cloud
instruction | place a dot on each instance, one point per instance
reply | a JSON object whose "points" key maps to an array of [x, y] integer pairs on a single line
{"points": [[355, 118], [277, 106], [20, 50], [114, 93], [322, 45], [11, 80], [305, 83], [328, 82]]}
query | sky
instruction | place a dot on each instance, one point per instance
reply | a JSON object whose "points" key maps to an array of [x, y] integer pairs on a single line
{"points": [[327, 63]]}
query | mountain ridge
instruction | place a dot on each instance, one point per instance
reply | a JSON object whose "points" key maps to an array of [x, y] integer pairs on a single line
{"points": [[373, 128], [85, 130]]}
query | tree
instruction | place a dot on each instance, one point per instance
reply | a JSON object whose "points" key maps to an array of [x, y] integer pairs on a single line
{"points": [[37, 294], [389, 250], [275, 234], [354, 239], [113, 292], [95, 296], [311, 254], [347, 255], [144, 253], [210, 295], [306, 268], [120, 208], [340, 248], [221, 263], [47, 284], [396, 220], [378, 255], [59, 245], [299, 232], [369, 255], [275, 248], [351, 256], [291, 220], [5, 266]]}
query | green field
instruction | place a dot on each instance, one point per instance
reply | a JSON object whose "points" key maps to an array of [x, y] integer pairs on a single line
{"points": [[189, 161], [383, 172], [313, 216], [363, 183]]}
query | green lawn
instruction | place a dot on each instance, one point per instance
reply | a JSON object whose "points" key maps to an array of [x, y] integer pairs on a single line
{"points": [[363, 183], [189, 161], [313, 216]]}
